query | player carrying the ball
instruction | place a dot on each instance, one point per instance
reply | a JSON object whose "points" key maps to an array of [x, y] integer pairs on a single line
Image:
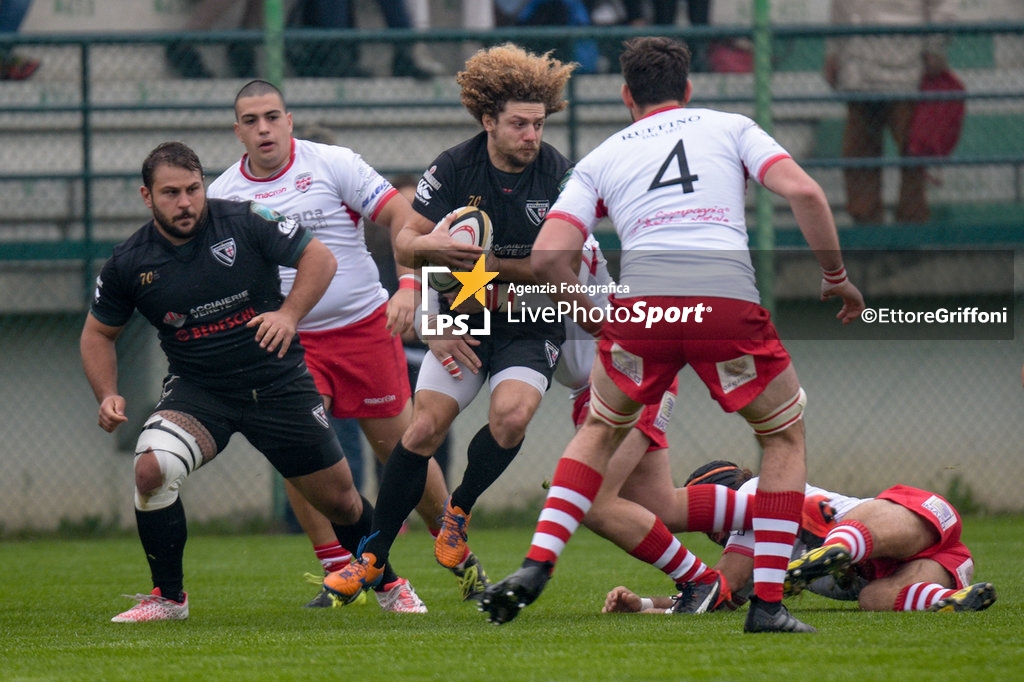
{"points": [[508, 172]]}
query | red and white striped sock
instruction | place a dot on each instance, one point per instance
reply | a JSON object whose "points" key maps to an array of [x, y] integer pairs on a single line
{"points": [[333, 557], [573, 489], [855, 537], [776, 523], [717, 508], [663, 550], [920, 596]]}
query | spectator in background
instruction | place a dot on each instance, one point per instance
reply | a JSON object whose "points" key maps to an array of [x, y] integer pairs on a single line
{"points": [[476, 15], [185, 59], [891, 65], [14, 67], [570, 13], [328, 60], [663, 13]]}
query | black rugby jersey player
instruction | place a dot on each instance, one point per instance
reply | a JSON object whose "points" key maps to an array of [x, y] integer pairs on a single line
{"points": [[516, 203], [201, 294]]}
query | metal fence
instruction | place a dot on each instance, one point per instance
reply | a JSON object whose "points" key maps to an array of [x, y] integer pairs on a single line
{"points": [[927, 411]]}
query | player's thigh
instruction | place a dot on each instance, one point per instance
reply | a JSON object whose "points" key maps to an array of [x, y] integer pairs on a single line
{"points": [[384, 433], [880, 594], [603, 385], [434, 378], [623, 463], [896, 532], [432, 415], [650, 484], [331, 491], [515, 396], [778, 391]]}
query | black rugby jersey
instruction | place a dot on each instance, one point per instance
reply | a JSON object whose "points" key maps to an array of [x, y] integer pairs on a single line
{"points": [[200, 295], [464, 176]]}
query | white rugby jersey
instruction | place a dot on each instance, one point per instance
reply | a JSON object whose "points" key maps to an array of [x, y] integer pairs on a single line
{"points": [[329, 190], [743, 542], [673, 184], [580, 348]]}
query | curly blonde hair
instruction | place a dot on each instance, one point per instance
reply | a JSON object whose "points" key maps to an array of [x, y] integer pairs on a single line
{"points": [[508, 73]]}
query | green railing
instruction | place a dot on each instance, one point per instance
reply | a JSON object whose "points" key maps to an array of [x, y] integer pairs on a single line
{"points": [[994, 138]]}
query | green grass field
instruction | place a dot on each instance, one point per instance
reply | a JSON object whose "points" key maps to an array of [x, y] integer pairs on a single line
{"points": [[247, 620]]}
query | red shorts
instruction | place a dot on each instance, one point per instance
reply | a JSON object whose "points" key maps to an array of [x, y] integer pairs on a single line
{"points": [[735, 350], [361, 367], [653, 421], [949, 552]]}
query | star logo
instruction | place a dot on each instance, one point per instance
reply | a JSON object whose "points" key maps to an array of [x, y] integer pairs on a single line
{"points": [[473, 283]]}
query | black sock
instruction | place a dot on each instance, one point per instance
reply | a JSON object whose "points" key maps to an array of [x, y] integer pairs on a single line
{"points": [[401, 487], [163, 533], [485, 462], [351, 535]]}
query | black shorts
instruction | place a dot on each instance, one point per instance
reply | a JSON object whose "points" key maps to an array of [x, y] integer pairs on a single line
{"points": [[287, 423], [499, 354]]}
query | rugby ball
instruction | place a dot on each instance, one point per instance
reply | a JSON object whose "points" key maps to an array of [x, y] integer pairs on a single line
{"points": [[472, 225]]}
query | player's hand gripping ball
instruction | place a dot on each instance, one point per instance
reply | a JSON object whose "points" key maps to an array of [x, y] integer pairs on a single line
{"points": [[472, 225]]}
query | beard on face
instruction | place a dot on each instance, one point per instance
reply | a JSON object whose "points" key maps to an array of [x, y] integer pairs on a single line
{"points": [[520, 158], [168, 225]]}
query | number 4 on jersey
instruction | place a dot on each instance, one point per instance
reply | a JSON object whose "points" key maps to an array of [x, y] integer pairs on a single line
{"points": [[684, 178]]}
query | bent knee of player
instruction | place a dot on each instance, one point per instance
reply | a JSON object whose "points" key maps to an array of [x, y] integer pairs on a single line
{"points": [[425, 434], [879, 595], [509, 426], [148, 476], [332, 493], [345, 507]]}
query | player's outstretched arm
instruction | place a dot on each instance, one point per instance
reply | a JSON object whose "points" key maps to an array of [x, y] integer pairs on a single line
{"points": [[814, 217]]}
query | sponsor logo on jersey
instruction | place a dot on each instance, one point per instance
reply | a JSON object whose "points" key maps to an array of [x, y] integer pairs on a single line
{"points": [[423, 191], [627, 364], [287, 226], [221, 304], [941, 510], [303, 181], [429, 178], [668, 404], [564, 180], [736, 372], [265, 212], [378, 189], [224, 252], [536, 210], [269, 193], [174, 319], [237, 319]]}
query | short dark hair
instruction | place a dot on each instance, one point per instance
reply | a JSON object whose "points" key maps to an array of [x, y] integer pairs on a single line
{"points": [[176, 154], [656, 69], [720, 472], [257, 88]]}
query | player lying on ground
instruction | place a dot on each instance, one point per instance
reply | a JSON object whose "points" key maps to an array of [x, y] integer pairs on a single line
{"points": [[899, 551]]}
